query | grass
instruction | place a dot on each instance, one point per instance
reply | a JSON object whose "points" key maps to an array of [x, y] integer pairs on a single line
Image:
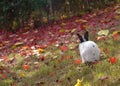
{"points": [[63, 68], [57, 70]]}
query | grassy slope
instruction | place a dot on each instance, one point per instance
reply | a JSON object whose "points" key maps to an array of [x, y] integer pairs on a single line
{"points": [[57, 70]]}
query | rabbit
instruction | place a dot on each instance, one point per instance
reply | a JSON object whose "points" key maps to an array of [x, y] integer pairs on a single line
{"points": [[89, 50]]}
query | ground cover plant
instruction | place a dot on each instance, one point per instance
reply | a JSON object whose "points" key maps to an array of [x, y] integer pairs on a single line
{"points": [[49, 56]]}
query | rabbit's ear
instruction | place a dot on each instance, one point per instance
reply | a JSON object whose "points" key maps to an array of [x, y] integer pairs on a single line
{"points": [[80, 38], [86, 35]]}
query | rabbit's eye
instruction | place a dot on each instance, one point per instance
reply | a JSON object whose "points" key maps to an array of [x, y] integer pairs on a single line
{"points": [[93, 46]]}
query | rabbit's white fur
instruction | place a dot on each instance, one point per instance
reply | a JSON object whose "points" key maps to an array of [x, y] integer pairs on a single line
{"points": [[89, 51]]}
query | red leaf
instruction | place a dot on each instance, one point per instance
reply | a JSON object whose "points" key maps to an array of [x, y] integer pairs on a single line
{"points": [[1, 72], [3, 76], [60, 59], [25, 67], [112, 60], [43, 46], [23, 53], [4, 57], [68, 57], [42, 58], [106, 51], [77, 61], [115, 36], [63, 48], [52, 74]]}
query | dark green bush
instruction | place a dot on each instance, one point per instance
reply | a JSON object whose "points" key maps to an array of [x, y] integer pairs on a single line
{"points": [[15, 12]]}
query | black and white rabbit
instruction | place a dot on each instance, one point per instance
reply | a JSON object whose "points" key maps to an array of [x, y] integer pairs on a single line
{"points": [[89, 50]]}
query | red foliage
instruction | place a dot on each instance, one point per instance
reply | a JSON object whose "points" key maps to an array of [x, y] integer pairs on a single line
{"points": [[67, 57], [25, 67], [42, 58], [112, 60], [52, 74], [3, 76], [77, 61], [4, 57], [115, 36], [63, 48]]}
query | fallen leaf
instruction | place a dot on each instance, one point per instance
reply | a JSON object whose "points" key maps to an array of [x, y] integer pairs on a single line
{"points": [[112, 60], [25, 67], [2, 67], [44, 19], [103, 32], [40, 50], [79, 82], [63, 48], [116, 35], [42, 58], [77, 61], [101, 38], [61, 30], [106, 51], [22, 75], [17, 44], [25, 47], [43, 46], [6, 42], [4, 57], [73, 30], [52, 74], [63, 24], [117, 11], [67, 57], [23, 53], [3, 76]]}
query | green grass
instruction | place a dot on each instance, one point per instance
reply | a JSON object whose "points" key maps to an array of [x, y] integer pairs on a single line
{"points": [[56, 70]]}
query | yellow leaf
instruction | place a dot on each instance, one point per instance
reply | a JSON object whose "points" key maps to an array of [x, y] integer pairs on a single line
{"points": [[81, 20], [17, 44], [77, 20], [73, 30], [40, 50], [61, 30], [1, 45], [116, 17], [67, 31], [22, 75], [26, 32], [118, 11], [45, 20], [63, 17], [6, 42], [103, 32], [116, 32], [63, 24], [24, 47], [79, 82]]}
